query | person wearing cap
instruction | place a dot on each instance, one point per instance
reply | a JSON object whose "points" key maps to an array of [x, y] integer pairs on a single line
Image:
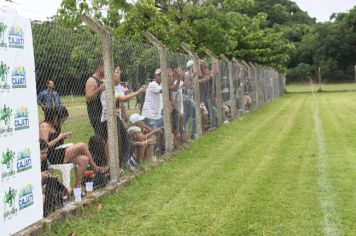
{"points": [[144, 142], [138, 120], [152, 107], [143, 149]]}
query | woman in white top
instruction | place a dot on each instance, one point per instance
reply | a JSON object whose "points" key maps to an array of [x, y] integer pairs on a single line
{"points": [[119, 96]]}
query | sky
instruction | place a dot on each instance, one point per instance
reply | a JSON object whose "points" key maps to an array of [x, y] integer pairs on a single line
{"points": [[321, 9]]}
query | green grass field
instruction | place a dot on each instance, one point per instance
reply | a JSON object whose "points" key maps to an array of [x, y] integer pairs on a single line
{"points": [[287, 169]]}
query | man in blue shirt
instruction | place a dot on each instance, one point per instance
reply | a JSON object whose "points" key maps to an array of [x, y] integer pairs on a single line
{"points": [[49, 98]]}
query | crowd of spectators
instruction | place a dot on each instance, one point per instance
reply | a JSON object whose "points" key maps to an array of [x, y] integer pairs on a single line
{"points": [[140, 140]]}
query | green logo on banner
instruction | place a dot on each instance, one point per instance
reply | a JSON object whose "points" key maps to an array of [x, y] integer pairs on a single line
{"points": [[4, 72], [7, 160], [5, 120], [2, 35], [9, 201]]}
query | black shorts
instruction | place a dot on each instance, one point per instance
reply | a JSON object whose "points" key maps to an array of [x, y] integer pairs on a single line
{"points": [[56, 156], [100, 129]]}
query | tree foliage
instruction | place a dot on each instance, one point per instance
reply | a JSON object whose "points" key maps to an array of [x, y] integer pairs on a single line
{"points": [[217, 25], [331, 46], [222, 26], [276, 33]]}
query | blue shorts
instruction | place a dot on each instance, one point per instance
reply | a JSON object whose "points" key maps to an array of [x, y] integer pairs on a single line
{"points": [[154, 124]]}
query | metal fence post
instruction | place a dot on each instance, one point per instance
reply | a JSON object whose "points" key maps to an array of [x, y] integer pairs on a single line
{"points": [[165, 91], [258, 77], [217, 78], [196, 68], [113, 144], [241, 79], [319, 74], [231, 85]]}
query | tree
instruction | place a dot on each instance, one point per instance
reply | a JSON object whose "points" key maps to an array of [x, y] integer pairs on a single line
{"points": [[217, 25], [108, 12], [331, 46]]}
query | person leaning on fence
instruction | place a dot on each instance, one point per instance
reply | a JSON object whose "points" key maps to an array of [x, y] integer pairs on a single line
{"points": [[54, 193], [50, 131], [152, 107], [205, 86], [123, 138], [123, 96], [49, 98], [93, 88], [127, 92], [176, 98], [188, 99], [247, 97]]}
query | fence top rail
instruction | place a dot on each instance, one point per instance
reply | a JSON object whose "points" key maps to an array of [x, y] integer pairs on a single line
{"points": [[154, 40], [211, 54], [224, 58], [186, 47], [94, 25]]}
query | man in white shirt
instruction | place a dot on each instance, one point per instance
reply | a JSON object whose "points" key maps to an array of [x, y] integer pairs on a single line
{"points": [[152, 107]]}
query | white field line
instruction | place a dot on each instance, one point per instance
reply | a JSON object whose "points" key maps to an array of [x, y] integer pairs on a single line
{"points": [[330, 218]]}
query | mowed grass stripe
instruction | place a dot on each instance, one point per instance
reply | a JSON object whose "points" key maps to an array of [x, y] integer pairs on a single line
{"points": [[341, 148], [331, 220], [197, 167], [236, 218], [272, 205], [256, 176], [204, 199], [163, 190]]}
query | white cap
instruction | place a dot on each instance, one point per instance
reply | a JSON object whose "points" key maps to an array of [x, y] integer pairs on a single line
{"points": [[158, 71], [134, 118], [190, 63], [133, 129]]}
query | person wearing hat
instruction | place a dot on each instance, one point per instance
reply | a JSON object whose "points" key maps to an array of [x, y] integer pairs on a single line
{"points": [[138, 120], [152, 107], [144, 142]]}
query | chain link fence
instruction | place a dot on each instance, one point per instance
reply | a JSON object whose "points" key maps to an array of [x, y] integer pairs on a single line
{"points": [[81, 111]]}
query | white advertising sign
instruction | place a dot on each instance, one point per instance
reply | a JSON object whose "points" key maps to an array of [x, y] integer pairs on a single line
{"points": [[20, 168]]}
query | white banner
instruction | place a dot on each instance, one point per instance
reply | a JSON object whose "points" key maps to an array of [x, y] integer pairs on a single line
{"points": [[20, 168]]}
